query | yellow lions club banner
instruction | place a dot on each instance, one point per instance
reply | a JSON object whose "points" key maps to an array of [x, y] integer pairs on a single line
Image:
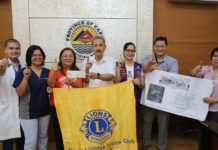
{"points": [[100, 118]]}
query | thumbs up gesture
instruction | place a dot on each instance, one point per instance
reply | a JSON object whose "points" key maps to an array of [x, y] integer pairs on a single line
{"points": [[56, 67], [197, 71], [88, 64], [199, 67], [120, 63], [4, 63], [153, 64], [27, 72], [151, 61]]}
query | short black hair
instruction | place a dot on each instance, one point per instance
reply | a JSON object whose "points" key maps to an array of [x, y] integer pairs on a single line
{"points": [[127, 44], [73, 67], [213, 51], [29, 54], [11, 41], [160, 38]]}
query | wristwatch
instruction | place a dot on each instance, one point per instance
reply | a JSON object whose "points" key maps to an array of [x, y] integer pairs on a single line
{"points": [[98, 75]]}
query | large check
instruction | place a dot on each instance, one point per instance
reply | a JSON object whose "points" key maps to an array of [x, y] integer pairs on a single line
{"points": [[177, 94]]}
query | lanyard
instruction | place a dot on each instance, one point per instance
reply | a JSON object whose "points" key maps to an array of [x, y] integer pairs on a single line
{"points": [[159, 63]]}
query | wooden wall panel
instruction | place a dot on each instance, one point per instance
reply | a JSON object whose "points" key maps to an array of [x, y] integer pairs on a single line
{"points": [[5, 23], [1, 50], [190, 54], [191, 30]]}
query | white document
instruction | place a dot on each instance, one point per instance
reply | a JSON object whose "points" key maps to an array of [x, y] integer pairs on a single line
{"points": [[177, 94], [76, 74]]}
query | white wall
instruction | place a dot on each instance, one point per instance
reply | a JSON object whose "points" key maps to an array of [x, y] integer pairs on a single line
{"points": [[45, 23]]}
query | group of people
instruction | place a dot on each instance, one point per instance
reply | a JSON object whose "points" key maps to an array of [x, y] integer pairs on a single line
{"points": [[32, 93]]}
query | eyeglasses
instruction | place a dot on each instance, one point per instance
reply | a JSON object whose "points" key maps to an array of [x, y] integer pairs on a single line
{"points": [[37, 55], [130, 51]]}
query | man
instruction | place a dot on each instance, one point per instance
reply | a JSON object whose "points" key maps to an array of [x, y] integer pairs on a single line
{"points": [[100, 69], [9, 101], [159, 61]]}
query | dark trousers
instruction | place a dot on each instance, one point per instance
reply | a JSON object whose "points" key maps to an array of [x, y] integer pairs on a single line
{"points": [[58, 135], [139, 125], [8, 144], [205, 142], [206, 135]]}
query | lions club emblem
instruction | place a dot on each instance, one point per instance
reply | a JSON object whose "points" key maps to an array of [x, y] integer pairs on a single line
{"points": [[80, 35], [97, 125]]}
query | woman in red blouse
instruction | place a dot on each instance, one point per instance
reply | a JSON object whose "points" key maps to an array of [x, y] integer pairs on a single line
{"points": [[58, 79]]}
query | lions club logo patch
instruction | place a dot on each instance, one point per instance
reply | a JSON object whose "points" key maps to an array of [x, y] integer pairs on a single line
{"points": [[97, 125], [80, 35]]}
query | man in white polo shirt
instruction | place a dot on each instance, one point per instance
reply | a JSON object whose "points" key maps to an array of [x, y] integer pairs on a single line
{"points": [[100, 69]]}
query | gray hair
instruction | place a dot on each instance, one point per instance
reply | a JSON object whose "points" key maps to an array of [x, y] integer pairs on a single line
{"points": [[98, 37]]}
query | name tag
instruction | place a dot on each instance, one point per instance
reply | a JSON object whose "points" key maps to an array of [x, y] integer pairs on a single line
{"points": [[76, 74]]}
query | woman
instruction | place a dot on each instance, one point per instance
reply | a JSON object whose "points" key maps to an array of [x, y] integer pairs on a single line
{"points": [[130, 70], [58, 79], [31, 86], [209, 72]]}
